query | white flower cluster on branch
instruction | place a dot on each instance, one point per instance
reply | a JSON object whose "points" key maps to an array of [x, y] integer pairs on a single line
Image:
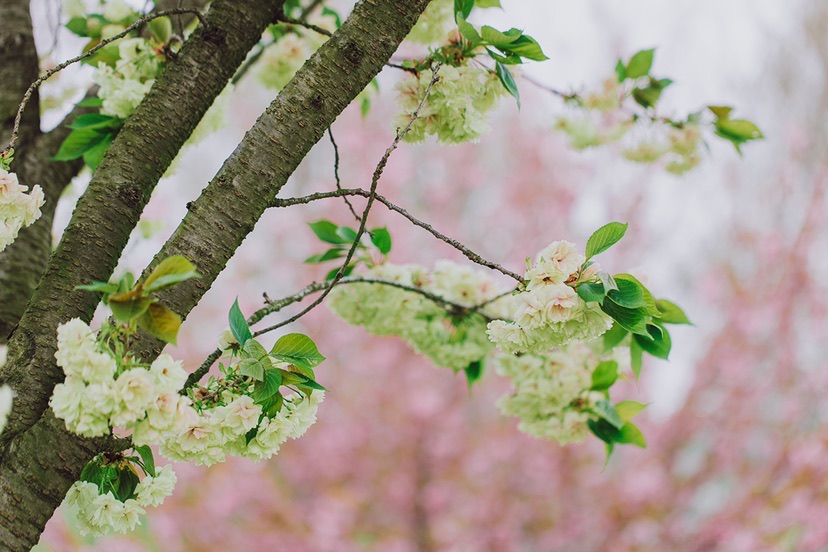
{"points": [[17, 208], [449, 339], [100, 512], [550, 313], [98, 393]]}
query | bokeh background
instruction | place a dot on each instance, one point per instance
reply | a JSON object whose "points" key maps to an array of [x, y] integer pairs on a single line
{"points": [[404, 458]]}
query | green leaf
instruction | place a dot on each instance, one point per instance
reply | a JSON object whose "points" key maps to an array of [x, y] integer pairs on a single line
{"points": [[348, 270], [381, 238], [272, 406], [146, 457], [77, 143], [170, 272], [160, 322], [632, 320], [737, 131], [591, 292], [630, 434], [720, 111], [296, 378], [78, 26], [605, 411], [326, 231], [605, 374], [93, 156], [629, 294], [329, 255], [608, 281], [473, 372], [604, 431], [238, 324], [128, 306], [94, 121], [469, 32], [127, 481], [101, 287], [636, 359], [161, 29], [334, 14], [347, 234], [91, 472], [297, 349], [496, 38], [647, 96], [462, 8], [268, 387], [658, 347], [621, 71], [671, 313], [487, 3], [252, 368], [649, 302], [604, 238], [525, 46], [508, 81], [640, 64], [90, 102], [614, 336], [628, 410]]}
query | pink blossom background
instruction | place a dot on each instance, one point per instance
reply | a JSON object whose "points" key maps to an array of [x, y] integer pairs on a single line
{"points": [[405, 458]]}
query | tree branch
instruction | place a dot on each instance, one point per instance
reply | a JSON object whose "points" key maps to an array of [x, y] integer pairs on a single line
{"points": [[471, 255]]}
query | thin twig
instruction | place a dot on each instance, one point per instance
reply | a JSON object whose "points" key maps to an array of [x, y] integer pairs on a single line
{"points": [[274, 306], [308, 10], [305, 24], [36, 84], [554, 91], [471, 255], [336, 175], [402, 67], [371, 197]]}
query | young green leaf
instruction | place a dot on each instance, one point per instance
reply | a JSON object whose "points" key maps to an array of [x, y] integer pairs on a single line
{"points": [[474, 372], [614, 336], [127, 481], [381, 238], [160, 322], [93, 156], [326, 231], [462, 8], [604, 238], [629, 294], [128, 306], [238, 324], [169, 272], [268, 387], [632, 320], [591, 292], [94, 121], [636, 359], [605, 411], [640, 64], [77, 143], [628, 410], [671, 313], [605, 374], [252, 368], [658, 347], [329, 255], [621, 71], [630, 434], [508, 81], [147, 459], [297, 349]]}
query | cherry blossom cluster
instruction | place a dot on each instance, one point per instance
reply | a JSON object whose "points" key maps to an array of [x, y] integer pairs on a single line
{"points": [[549, 312], [228, 421], [124, 85], [553, 393], [17, 208], [102, 391], [448, 337], [101, 511], [456, 108]]}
